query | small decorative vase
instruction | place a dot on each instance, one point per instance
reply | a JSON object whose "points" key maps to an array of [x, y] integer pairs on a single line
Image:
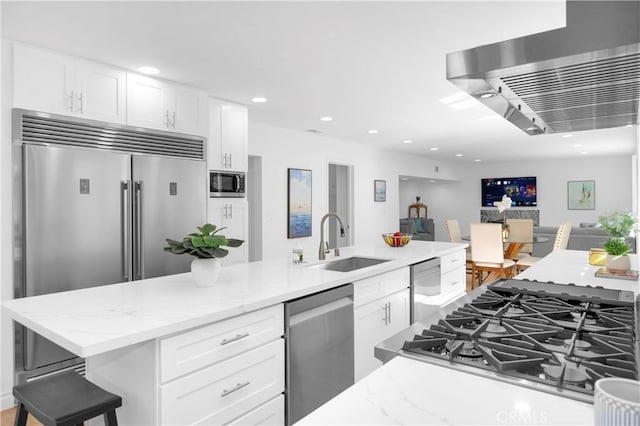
{"points": [[505, 232], [205, 271], [617, 264]]}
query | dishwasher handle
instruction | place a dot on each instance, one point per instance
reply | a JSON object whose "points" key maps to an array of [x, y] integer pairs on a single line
{"points": [[320, 311]]}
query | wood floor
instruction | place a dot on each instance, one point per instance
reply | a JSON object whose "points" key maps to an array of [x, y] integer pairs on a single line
{"points": [[7, 417]]}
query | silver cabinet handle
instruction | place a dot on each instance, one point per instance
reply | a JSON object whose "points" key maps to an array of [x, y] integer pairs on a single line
{"points": [[389, 312], [226, 164], [173, 119], [230, 211], [81, 101], [385, 314], [71, 101], [225, 211], [166, 118], [233, 339], [138, 262], [125, 219], [230, 161], [239, 386]]}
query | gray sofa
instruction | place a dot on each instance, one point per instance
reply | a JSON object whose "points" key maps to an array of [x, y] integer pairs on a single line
{"points": [[583, 237], [408, 226]]}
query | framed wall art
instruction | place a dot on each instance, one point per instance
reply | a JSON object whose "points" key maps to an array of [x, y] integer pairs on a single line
{"points": [[379, 190], [581, 194], [299, 203]]}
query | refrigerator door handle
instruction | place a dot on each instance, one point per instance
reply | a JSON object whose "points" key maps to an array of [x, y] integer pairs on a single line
{"points": [[138, 240], [125, 220]]}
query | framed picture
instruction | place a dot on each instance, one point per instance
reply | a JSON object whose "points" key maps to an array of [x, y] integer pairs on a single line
{"points": [[581, 194], [299, 203], [379, 190]]}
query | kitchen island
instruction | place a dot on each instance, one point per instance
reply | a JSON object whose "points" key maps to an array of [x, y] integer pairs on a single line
{"points": [[408, 391], [133, 335]]}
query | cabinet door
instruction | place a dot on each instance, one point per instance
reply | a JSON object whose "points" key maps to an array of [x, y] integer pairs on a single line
{"points": [[375, 322], [234, 216], [233, 135], [187, 115], [146, 102], [271, 413], [43, 80], [100, 92]]}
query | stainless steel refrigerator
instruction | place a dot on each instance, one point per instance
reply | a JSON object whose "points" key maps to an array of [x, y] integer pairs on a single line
{"points": [[98, 202]]}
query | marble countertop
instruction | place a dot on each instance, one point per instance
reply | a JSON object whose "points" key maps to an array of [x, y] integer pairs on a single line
{"points": [[99, 319], [409, 392]]}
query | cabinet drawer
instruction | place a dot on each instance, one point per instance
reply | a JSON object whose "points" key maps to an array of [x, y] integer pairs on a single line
{"points": [[192, 350], [269, 414], [370, 289], [453, 260], [227, 390], [453, 281]]}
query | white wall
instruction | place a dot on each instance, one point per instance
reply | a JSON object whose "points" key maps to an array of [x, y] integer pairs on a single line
{"points": [[283, 148], [613, 177]]}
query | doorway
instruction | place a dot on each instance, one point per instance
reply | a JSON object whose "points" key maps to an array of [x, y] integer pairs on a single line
{"points": [[254, 199], [341, 202]]}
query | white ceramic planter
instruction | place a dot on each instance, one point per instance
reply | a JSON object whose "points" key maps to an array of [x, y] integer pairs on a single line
{"points": [[618, 264], [205, 271]]}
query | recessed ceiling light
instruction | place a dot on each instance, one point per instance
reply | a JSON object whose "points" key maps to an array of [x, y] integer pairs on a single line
{"points": [[577, 145], [458, 155], [326, 119], [148, 70], [372, 131], [432, 181], [477, 160], [567, 136], [407, 141], [530, 128], [404, 178], [485, 94], [258, 99], [584, 152], [433, 149]]}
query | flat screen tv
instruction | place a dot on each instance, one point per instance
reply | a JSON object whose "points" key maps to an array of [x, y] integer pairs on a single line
{"points": [[521, 190]]}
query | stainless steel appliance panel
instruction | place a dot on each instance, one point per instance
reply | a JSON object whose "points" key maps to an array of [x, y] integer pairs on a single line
{"points": [[169, 202], [320, 359], [75, 224], [425, 281]]}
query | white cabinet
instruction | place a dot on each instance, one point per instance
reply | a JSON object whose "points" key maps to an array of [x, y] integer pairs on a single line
{"points": [[158, 104], [228, 141], [452, 281], [381, 309], [60, 84], [231, 371], [233, 215]]}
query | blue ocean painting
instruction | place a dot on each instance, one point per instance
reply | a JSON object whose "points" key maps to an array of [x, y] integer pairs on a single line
{"points": [[299, 203]]}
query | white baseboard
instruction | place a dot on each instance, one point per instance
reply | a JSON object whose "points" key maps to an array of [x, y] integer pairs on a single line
{"points": [[6, 401]]}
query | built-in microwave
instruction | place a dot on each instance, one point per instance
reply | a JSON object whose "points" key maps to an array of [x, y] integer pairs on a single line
{"points": [[226, 184]]}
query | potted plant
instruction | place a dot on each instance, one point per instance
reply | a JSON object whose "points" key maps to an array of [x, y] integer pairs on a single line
{"points": [[207, 247], [618, 225]]}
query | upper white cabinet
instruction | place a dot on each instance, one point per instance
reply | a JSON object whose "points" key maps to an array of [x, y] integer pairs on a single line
{"points": [[61, 84], [162, 105], [228, 141]]}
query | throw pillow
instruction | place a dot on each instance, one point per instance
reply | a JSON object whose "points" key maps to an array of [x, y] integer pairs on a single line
{"points": [[418, 224]]}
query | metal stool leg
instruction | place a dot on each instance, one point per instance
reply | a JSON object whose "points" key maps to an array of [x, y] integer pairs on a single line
{"points": [[110, 418], [21, 415]]}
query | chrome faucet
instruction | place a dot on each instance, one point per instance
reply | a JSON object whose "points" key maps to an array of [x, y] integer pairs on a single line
{"points": [[322, 252]]}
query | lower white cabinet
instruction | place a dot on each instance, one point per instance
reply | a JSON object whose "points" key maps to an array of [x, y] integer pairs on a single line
{"points": [[230, 371], [226, 390], [378, 315], [233, 215]]}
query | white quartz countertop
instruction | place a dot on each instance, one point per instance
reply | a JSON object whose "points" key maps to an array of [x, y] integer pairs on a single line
{"points": [[572, 266], [409, 392], [99, 319]]}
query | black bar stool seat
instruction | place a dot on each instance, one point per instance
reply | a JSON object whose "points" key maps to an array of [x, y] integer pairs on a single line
{"points": [[64, 399]]}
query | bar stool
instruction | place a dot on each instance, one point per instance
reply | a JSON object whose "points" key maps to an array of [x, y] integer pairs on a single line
{"points": [[64, 399]]}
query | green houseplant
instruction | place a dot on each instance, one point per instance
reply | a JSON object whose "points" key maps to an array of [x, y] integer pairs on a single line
{"points": [[618, 225], [207, 247]]}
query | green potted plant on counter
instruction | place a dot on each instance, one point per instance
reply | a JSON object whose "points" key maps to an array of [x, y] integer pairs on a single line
{"points": [[207, 247], [618, 225]]}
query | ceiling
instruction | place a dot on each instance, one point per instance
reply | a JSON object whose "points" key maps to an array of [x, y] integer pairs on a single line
{"points": [[369, 65]]}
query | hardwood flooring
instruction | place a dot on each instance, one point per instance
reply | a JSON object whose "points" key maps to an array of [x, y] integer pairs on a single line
{"points": [[8, 416]]}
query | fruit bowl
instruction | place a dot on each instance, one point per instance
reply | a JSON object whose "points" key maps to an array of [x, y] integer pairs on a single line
{"points": [[396, 239]]}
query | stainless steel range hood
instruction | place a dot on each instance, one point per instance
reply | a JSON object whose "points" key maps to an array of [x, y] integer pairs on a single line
{"points": [[582, 77]]}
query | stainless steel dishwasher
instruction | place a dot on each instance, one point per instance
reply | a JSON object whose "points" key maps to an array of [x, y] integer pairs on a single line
{"points": [[425, 281], [319, 349]]}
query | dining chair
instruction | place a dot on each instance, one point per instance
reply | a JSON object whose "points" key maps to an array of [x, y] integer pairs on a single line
{"points": [[455, 236], [560, 243], [487, 253], [521, 230]]}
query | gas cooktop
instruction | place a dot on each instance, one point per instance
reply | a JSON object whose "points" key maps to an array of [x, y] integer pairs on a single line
{"points": [[552, 337]]}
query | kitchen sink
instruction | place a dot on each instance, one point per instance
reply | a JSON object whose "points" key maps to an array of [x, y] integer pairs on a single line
{"points": [[349, 264]]}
